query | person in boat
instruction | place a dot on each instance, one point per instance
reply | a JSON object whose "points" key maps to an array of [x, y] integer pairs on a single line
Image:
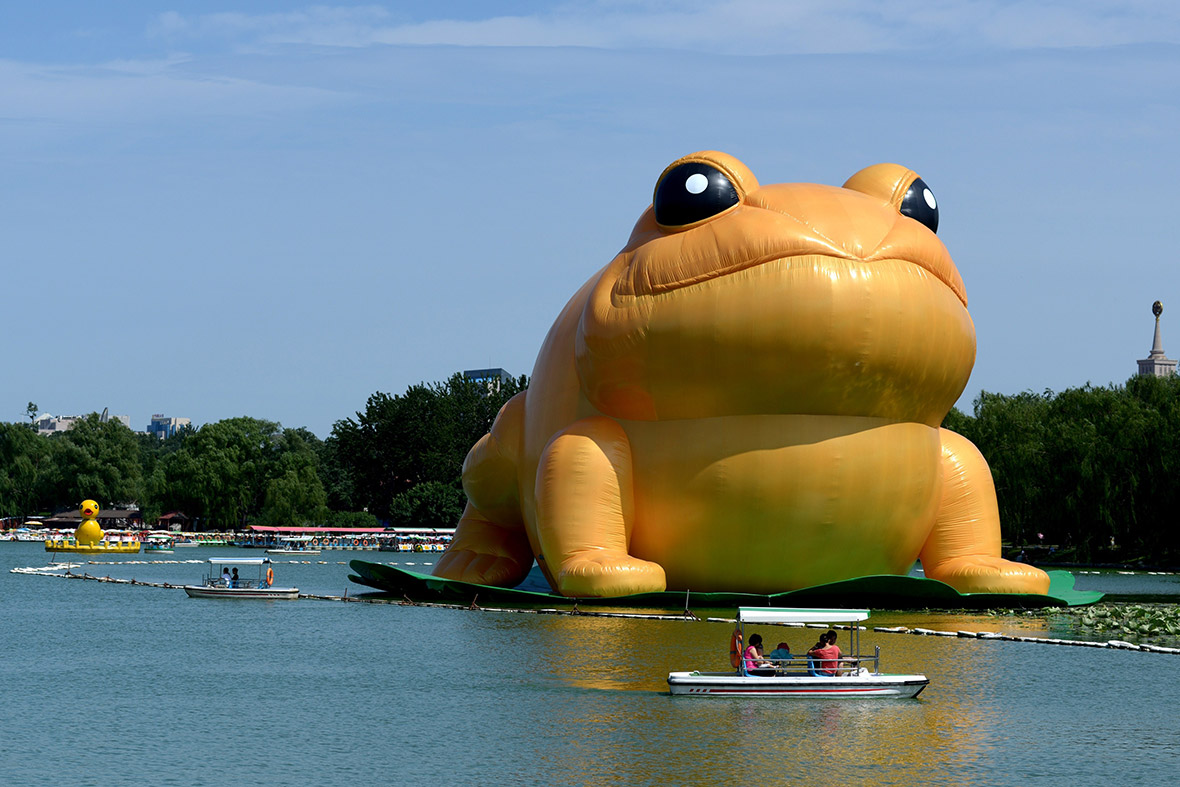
{"points": [[233, 580], [752, 661], [824, 657], [781, 655], [225, 577]]}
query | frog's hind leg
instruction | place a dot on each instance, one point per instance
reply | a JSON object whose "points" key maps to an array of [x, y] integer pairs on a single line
{"points": [[585, 511], [963, 548], [491, 546]]}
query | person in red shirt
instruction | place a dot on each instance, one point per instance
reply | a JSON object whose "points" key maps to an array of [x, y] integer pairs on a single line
{"points": [[824, 656]]}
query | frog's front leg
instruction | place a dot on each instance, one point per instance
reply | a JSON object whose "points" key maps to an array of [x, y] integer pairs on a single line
{"points": [[491, 546], [585, 511], [963, 548]]}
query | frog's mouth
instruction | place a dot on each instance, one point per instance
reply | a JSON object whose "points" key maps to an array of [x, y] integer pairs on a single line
{"points": [[777, 223], [849, 310]]}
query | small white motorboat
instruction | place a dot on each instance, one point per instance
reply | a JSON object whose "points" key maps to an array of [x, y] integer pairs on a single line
{"points": [[856, 676], [216, 585]]}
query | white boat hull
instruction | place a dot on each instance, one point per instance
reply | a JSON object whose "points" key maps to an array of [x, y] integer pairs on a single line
{"points": [[292, 551], [730, 684], [205, 591]]}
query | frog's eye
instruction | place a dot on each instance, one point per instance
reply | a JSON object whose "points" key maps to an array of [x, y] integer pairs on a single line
{"points": [[692, 192], [919, 203], [900, 187]]}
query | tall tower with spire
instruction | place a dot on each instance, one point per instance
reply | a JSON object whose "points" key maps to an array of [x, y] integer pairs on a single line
{"points": [[1155, 363]]}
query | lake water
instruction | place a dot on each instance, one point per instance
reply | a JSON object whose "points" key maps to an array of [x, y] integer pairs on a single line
{"points": [[112, 684]]}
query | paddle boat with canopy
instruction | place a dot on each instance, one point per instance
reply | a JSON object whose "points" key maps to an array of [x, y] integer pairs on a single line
{"points": [[798, 676], [215, 585], [158, 543]]}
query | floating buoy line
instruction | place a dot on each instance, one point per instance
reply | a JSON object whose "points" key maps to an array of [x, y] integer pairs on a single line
{"points": [[55, 570]]}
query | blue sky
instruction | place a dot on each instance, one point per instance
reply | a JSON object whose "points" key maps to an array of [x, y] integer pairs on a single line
{"points": [[274, 209]]}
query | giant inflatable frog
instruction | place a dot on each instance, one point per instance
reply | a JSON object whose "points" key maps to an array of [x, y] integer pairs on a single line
{"points": [[746, 399]]}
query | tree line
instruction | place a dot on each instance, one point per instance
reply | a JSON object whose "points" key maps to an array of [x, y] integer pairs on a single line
{"points": [[1090, 472], [398, 461]]}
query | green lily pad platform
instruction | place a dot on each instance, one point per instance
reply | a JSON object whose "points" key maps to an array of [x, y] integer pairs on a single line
{"points": [[875, 592]]}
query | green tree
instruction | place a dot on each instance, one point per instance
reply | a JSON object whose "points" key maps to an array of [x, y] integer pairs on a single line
{"points": [[352, 519], [95, 459], [241, 471], [399, 442], [1093, 469], [294, 494], [429, 504], [25, 467]]}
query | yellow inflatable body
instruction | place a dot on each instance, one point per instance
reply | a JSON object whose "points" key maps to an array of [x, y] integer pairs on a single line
{"points": [[747, 398]]}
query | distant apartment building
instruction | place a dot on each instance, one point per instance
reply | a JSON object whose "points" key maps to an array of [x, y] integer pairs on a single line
{"points": [[491, 378], [48, 424], [162, 426]]}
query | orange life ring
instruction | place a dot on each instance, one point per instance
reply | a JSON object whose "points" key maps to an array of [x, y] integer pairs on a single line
{"points": [[356, 542], [364, 542], [270, 576], [735, 648]]}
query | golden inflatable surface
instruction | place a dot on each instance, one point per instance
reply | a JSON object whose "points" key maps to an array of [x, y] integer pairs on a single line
{"points": [[747, 398]]}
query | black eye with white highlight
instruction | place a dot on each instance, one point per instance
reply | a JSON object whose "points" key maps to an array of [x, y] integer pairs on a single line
{"points": [[919, 203], [692, 192]]}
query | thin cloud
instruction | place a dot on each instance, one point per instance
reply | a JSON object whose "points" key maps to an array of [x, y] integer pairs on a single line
{"points": [[125, 91], [736, 27]]}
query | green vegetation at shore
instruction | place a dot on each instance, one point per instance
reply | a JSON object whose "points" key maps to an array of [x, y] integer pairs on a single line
{"points": [[398, 460], [1148, 621], [1157, 624]]}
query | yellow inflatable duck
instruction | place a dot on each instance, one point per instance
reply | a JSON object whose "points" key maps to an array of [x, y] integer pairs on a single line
{"points": [[89, 533], [746, 399], [89, 539]]}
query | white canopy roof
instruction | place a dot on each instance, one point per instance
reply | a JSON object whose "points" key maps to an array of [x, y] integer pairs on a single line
{"points": [[793, 615], [239, 561]]}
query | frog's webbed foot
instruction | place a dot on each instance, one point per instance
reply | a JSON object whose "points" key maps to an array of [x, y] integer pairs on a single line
{"points": [[486, 553], [982, 574], [605, 574]]}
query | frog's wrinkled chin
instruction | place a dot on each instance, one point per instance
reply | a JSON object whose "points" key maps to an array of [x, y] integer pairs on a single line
{"points": [[777, 222], [801, 334]]}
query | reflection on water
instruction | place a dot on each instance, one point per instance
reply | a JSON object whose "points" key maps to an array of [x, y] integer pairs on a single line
{"points": [[859, 739], [985, 718], [318, 693]]}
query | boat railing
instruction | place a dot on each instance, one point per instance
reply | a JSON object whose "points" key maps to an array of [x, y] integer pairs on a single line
{"points": [[805, 664], [241, 583]]}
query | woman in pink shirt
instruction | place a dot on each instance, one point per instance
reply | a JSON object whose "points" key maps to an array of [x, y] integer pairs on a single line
{"points": [[752, 662]]}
